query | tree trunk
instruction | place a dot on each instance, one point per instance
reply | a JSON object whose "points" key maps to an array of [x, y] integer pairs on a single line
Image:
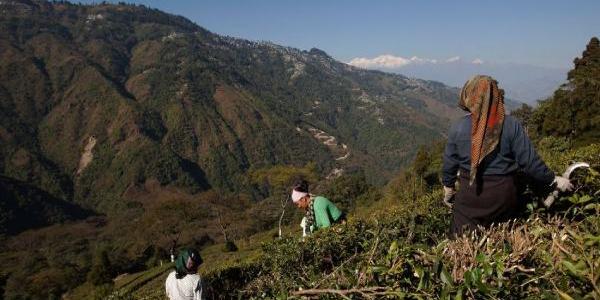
{"points": [[223, 229], [281, 220]]}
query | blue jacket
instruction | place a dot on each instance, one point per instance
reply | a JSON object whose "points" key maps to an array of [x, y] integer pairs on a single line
{"points": [[514, 152]]}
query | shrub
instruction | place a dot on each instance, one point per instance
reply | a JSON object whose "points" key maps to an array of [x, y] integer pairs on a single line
{"points": [[101, 271], [402, 251], [230, 246]]}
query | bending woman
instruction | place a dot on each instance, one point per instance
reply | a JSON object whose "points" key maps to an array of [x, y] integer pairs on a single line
{"points": [[487, 148], [320, 212]]}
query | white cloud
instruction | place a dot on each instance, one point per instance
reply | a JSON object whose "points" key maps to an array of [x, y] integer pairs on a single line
{"points": [[477, 61], [453, 59], [389, 61]]}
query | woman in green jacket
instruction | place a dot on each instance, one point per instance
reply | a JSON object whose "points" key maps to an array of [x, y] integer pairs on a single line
{"points": [[320, 212]]}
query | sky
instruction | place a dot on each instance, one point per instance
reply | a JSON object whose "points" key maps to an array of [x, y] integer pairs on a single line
{"points": [[545, 33]]}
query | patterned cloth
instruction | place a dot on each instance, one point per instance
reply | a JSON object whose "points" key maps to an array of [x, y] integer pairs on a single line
{"points": [[186, 288], [310, 214], [485, 101]]}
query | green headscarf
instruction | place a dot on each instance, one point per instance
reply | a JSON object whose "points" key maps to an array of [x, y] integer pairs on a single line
{"points": [[187, 262]]}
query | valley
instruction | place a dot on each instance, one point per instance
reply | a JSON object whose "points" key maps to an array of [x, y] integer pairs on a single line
{"points": [[126, 131]]}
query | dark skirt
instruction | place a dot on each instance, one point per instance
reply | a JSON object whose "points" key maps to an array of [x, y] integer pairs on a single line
{"points": [[491, 199]]}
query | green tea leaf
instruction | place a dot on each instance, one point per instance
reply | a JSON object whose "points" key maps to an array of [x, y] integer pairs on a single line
{"points": [[393, 247], [446, 277], [467, 277], [480, 258], [571, 267]]}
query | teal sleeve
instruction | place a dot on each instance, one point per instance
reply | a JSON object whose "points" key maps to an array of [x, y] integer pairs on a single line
{"points": [[334, 212], [325, 212]]}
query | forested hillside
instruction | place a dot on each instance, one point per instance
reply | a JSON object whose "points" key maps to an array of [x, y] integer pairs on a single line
{"points": [[97, 100], [124, 130]]}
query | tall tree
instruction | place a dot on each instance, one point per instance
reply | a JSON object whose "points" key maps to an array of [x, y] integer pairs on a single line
{"points": [[574, 110], [101, 271]]}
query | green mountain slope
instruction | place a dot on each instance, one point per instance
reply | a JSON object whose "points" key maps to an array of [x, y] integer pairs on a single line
{"points": [[24, 206], [153, 96]]}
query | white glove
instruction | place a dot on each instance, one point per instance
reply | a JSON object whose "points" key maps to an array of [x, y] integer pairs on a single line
{"points": [[449, 196], [550, 199], [563, 184]]}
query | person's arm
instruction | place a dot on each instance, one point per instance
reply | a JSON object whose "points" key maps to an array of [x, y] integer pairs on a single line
{"points": [[450, 161], [528, 159], [334, 211], [321, 213]]}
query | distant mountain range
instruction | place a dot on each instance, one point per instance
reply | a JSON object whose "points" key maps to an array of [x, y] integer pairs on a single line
{"points": [[96, 101], [522, 82]]}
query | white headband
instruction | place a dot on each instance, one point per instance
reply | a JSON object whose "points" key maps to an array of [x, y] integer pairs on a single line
{"points": [[296, 196]]}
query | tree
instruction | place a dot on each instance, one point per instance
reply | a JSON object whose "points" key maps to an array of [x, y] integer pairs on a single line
{"points": [[277, 181], [101, 270], [346, 189], [421, 162], [523, 114], [284, 201], [574, 109], [228, 212]]}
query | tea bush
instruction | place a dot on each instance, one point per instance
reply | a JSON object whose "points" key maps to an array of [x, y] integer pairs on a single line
{"points": [[402, 252], [398, 248]]}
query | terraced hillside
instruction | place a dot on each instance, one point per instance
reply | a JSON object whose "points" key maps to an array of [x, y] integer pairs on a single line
{"points": [[116, 116]]}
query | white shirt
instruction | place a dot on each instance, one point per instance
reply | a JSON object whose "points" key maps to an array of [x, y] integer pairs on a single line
{"points": [[186, 288]]}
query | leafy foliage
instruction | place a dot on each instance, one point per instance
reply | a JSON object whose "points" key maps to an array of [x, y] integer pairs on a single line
{"points": [[403, 252], [574, 110], [101, 271], [169, 101], [349, 191]]}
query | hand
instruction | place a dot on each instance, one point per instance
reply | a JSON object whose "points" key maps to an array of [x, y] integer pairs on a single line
{"points": [[563, 184], [550, 199], [449, 196]]}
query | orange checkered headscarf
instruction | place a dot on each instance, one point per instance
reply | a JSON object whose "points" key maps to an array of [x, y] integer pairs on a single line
{"points": [[485, 101]]}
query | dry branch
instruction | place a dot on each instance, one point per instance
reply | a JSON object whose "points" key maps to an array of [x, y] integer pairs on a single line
{"points": [[365, 292]]}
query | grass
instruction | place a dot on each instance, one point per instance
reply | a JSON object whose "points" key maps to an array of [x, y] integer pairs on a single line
{"points": [[149, 284]]}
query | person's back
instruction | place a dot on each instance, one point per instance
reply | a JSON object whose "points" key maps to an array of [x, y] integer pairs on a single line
{"points": [[186, 288], [184, 283], [488, 148], [514, 152], [326, 213]]}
